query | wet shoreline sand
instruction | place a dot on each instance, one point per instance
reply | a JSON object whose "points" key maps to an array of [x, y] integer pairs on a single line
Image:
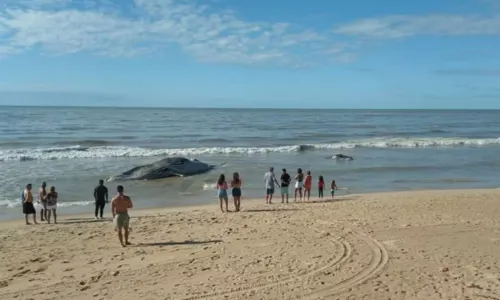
{"points": [[440, 244]]}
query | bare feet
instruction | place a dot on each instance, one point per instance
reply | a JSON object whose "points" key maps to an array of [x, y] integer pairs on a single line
{"points": [[128, 243], [28, 223]]}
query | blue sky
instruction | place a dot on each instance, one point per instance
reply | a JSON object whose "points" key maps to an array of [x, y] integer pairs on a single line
{"points": [[236, 53]]}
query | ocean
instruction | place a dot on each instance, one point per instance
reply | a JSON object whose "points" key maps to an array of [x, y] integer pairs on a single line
{"points": [[73, 147]]}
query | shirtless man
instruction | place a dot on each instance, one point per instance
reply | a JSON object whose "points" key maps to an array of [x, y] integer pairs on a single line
{"points": [[28, 208], [42, 200], [119, 209]]}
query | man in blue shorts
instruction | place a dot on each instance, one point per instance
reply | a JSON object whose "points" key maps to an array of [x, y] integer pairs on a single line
{"points": [[285, 182], [270, 179]]}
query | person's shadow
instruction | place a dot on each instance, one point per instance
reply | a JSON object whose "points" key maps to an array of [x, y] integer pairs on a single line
{"points": [[177, 243]]}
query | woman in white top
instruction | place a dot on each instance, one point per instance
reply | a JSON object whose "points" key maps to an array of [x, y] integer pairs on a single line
{"points": [[299, 183]]}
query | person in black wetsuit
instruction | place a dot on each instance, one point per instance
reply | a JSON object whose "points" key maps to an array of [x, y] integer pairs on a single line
{"points": [[101, 198]]}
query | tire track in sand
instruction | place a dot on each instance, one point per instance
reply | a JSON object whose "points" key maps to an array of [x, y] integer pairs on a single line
{"points": [[344, 253], [378, 261]]}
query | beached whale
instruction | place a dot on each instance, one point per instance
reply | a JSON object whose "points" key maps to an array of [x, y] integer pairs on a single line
{"points": [[167, 167], [342, 156]]}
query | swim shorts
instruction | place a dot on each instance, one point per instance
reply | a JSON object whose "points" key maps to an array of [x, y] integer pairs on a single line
{"points": [[236, 192], [121, 220], [222, 194], [284, 190], [270, 191], [28, 208], [299, 185]]}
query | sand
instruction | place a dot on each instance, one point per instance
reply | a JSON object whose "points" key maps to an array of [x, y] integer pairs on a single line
{"points": [[403, 245]]}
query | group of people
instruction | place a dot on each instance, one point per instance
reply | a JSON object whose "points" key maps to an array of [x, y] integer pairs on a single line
{"points": [[121, 203], [47, 201], [303, 186]]}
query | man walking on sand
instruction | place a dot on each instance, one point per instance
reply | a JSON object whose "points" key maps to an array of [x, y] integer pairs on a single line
{"points": [[101, 198], [270, 179], [119, 209]]}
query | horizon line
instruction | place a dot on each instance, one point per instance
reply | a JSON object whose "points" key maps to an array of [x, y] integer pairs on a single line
{"points": [[252, 108]]}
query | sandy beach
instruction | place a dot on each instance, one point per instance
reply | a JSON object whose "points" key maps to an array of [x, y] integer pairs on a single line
{"points": [[398, 245]]}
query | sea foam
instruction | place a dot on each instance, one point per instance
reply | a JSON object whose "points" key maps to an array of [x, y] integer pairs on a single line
{"points": [[78, 152]]}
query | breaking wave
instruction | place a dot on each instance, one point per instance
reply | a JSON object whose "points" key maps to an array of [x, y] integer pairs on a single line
{"points": [[80, 151]]}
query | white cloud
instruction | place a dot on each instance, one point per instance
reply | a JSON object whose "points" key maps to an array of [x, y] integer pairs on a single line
{"points": [[146, 26], [399, 26]]}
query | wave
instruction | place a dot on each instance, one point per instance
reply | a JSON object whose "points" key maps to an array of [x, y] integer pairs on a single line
{"points": [[90, 142], [210, 187], [17, 203], [124, 151]]}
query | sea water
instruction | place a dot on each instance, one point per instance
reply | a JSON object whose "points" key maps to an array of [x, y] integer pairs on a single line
{"points": [[72, 148]]}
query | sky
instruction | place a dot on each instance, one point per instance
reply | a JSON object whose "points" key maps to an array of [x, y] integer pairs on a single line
{"points": [[390, 54]]}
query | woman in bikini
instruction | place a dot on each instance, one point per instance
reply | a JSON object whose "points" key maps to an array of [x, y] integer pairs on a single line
{"points": [[299, 183], [236, 192], [307, 186], [222, 191]]}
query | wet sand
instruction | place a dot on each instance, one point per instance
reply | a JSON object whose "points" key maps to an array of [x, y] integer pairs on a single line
{"points": [[399, 245]]}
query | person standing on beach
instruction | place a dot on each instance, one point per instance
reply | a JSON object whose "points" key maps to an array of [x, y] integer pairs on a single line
{"points": [[52, 204], [101, 198], [307, 186], [28, 208], [285, 182], [321, 186], [236, 192], [270, 179], [333, 187], [299, 184], [222, 191], [120, 205], [42, 193]]}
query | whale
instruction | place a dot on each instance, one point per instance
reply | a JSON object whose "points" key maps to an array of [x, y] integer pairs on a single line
{"points": [[342, 157], [165, 168]]}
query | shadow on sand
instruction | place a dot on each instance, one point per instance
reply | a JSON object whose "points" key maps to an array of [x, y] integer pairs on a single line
{"points": [[82, 221], [178, 243], [343, 199], [269, 210]]}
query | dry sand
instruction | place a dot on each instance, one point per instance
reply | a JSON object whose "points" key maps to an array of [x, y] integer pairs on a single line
{"points": [[408, 245]]}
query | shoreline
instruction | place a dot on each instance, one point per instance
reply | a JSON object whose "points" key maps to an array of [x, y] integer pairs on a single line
{"points": [[142, 212]]}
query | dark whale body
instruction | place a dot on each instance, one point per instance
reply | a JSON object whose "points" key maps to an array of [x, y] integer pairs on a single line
{"points": [[167, 167], [342, 156]]}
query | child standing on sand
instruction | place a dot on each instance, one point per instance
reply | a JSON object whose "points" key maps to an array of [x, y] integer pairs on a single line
{"points": [[222, 191], [321, 186], [333, 187]]}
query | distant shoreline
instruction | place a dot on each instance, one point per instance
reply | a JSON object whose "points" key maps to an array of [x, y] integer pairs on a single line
{"points": [[266, 108]]}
